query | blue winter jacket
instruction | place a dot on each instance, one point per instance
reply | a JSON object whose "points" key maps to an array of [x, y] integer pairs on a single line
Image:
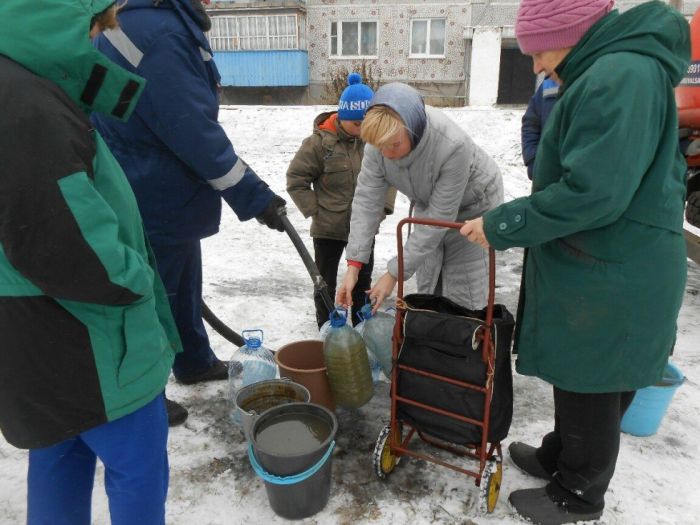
{"points": [[175, 154], [537, 113]]}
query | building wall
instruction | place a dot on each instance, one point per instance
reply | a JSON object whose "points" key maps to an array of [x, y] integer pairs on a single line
{"points": [[441, 80]]}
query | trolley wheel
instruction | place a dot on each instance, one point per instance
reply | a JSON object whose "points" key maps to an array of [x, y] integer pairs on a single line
{"points": [[384, 460], [490, 484]]}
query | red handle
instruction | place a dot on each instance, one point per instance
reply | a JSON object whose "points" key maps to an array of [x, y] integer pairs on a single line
{"points": [[457, 226]]}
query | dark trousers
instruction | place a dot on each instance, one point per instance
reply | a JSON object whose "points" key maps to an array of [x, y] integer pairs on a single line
{"points": [[581, 451], [134, 452], [180, 268], [327, 253]]}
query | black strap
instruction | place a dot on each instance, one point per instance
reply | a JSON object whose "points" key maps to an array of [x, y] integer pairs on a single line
{"points": [[94, 83], [125, 98]]}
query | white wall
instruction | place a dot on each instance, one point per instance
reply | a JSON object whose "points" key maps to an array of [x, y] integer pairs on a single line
{"points": [[485, 64]]}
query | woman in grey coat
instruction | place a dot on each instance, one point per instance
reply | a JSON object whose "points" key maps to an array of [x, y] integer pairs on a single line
{"points": [[430, 159]]}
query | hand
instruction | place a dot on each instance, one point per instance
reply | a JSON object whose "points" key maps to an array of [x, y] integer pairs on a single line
{"points": [[343, 296], [381, 290], [272, 215], [474, 231]]}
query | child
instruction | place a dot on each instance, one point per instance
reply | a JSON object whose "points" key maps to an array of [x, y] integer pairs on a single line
{"points": [[321, 181]]}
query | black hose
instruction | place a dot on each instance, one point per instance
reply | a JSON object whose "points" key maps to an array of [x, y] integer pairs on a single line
{"points": [[320, 286], [220, 327]]}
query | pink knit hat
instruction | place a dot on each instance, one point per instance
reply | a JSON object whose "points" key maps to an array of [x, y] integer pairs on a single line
{"points": [[545, 25]]}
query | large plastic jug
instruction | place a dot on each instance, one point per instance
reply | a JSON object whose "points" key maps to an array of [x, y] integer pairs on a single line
{"points": [[374, 365], [377, 330], [251, 363], [347, 364]]}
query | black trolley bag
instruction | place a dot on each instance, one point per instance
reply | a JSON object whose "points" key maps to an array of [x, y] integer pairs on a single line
{"points": [[444, 338]]}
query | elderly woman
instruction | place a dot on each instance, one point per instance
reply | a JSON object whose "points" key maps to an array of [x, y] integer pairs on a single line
{"points": [[430, 159], [606, 263]]}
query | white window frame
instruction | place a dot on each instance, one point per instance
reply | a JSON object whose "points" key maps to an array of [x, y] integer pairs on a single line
{"points": [[237, 42], [427, 54], [339, 39]]}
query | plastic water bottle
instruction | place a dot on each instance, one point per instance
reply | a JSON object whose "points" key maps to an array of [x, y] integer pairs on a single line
{"points": [[323, 331], [347, 364], [251, 363], [374, 365], [377, 330]]}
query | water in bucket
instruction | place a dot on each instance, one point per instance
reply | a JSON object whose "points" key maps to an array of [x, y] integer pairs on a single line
{"points": [[289, 434], [291, 450], [644, 415]]}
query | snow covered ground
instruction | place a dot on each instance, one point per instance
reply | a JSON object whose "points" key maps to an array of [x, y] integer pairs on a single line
{"points": [[253, 278]]}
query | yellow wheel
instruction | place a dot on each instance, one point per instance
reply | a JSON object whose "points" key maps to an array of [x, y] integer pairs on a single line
{"points": [[491, 484], [384, 460]]}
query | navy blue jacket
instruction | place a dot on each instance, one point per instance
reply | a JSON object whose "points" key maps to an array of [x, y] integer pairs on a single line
{"points": [[537, 113], [175, 154]]}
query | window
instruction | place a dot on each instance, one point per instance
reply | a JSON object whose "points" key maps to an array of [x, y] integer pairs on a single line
{"points": [[235, 33], [428, 37], [352, 39]]}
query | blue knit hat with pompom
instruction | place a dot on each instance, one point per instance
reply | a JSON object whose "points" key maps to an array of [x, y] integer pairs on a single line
{"points": [[355, 99]]}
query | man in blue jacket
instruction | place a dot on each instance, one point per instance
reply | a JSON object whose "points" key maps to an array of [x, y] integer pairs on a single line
{"points": [[179, 161], [538, 110]]}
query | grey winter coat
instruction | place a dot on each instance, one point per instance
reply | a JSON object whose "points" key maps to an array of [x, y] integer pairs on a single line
{"points": [[447, 177]]}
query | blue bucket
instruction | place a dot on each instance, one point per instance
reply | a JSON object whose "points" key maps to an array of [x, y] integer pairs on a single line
{"points": [[644, 415]]}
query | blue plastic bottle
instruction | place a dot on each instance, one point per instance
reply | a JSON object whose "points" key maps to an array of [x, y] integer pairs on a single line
{"points": [[377, 330], [251, 363]]}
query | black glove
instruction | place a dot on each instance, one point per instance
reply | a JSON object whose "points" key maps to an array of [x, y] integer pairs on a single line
{"points": [[271, 216]]}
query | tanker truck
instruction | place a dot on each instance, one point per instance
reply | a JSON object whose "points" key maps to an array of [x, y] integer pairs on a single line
{"points": [[688, 102]]}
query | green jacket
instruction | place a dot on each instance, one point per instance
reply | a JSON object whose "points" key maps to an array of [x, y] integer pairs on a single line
{"points": [[606, 264], [88, 336], [322, 176]]}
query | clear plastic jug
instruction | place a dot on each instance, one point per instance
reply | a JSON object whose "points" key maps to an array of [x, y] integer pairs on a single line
{"points": [[251, 363], [347, 363]]}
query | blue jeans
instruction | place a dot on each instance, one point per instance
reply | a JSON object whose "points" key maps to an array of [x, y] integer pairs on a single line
{"points": [[133, 450]]}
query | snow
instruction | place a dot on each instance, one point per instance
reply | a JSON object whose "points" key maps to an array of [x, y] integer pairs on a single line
{"points": [[253, 278]]}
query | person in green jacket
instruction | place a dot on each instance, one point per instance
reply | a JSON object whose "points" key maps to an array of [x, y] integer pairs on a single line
{"points": [[88, 337], [606, 262], [321, 180]]}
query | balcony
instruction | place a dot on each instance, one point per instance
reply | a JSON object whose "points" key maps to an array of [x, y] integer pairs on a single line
{"points": [[278, 68]]}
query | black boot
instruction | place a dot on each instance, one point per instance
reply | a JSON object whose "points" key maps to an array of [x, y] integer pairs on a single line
{"points": [[536, 506], [216, 372], [525, 458], [177, 414]]}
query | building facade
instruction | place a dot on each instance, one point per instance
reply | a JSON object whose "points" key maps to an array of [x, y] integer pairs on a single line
{"points": [[459, 52]]}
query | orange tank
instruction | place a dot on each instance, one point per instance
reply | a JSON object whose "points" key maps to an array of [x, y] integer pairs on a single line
{"points": [[688, 92]]}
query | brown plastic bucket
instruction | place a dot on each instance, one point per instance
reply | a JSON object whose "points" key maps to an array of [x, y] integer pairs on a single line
{"points": [[303, 363]]}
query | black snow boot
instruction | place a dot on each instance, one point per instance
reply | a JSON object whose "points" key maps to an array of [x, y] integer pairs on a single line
{"points": [[217, 372], [536, 506], [177, 414], [525, 458]]}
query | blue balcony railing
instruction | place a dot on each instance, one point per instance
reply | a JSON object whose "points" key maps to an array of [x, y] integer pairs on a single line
{"points": [[263, 68]]}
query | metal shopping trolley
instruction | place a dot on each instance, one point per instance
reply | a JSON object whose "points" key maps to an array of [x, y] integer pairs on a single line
{"points": [[451, 382]]}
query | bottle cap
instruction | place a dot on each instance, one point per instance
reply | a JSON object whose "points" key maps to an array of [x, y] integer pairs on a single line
{"points": [[366, 312], [253, 342], [338, 317]]}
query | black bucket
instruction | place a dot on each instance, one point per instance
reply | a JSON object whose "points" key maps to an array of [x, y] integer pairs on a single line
{"points": [[291, 449]]}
